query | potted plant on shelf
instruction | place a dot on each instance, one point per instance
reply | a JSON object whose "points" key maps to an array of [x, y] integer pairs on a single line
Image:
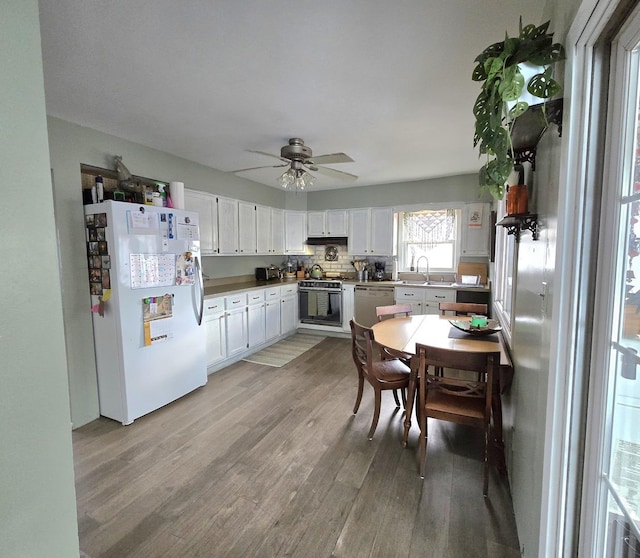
{"points": [[501, 68]]}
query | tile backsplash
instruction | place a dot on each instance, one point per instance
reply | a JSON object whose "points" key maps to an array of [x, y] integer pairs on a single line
{"points": [[343, 263]]}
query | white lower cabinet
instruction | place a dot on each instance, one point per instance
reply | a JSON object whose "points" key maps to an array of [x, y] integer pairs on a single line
{"points": [[348, 305], [256, 323], [240, 324], [272, 313], [424, 300], [237, 334], [289, 308], [214, 319]]}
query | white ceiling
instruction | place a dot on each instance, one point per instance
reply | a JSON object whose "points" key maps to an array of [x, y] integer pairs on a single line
{"points": [[388, 82]]}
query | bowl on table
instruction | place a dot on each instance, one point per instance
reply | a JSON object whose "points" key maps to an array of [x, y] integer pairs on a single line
{"points": [[492, 327]]}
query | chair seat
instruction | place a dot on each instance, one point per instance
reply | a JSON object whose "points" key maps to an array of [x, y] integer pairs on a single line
{"points": [[391, 370], [468, 407]]}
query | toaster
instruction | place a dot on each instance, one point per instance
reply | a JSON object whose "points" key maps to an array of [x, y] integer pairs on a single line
{"points": [[266, 273]]}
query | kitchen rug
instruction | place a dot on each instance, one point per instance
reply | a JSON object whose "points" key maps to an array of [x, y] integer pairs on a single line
{"points": [[284, 351]]}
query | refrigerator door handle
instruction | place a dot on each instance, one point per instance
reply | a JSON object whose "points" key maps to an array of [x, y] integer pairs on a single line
{"points": [[201, 289]]}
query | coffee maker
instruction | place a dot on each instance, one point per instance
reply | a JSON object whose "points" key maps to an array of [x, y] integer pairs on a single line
{"points": [[378, 274]]}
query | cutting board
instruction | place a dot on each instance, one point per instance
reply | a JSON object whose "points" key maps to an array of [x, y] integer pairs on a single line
{"points": [[472, 269]]}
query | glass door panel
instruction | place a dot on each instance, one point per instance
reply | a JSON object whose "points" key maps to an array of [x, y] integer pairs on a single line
{"points": [[615, 374]]}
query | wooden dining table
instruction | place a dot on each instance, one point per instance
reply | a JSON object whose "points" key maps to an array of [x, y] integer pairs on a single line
{"points": [[402, 334]]}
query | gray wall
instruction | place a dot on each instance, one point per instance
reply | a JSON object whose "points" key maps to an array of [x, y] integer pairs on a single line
{"points": [[526, 406], [37, 494], [461, 188]]}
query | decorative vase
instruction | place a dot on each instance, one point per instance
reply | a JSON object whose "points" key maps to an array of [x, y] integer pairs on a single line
{"points": [[517, 199]]}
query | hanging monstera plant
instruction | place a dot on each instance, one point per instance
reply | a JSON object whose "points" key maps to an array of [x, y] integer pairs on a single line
{"points": [[501, 68]]}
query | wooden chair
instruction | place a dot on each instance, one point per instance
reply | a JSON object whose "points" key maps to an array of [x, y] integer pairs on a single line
{"points": [[463, 308], [381, 374], [454, 399], [392, 310]]}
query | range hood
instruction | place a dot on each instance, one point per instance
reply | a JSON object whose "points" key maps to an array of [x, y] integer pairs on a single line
{"points": [[324, 240]]}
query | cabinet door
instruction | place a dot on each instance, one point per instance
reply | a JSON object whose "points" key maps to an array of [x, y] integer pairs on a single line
{"points": [[289, 314], [237, 338], [227, 226], [381, 231], [359, 231], [215, 332], [316, 223], [247, 238], [216, 338], [272, 317], [295, 227], [336, 223], [256, 324], [348, 305], [263, 229], [277, 231], [476, 229], [205, 205]]}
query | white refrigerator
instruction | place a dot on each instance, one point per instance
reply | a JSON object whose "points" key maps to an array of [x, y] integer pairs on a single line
{"points": [[147, 299]]}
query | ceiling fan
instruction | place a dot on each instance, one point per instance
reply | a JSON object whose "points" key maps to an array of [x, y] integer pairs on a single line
{"points": [[299, 158]]}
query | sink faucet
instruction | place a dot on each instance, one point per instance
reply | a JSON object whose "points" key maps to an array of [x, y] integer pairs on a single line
{"points": [[418, 266]]}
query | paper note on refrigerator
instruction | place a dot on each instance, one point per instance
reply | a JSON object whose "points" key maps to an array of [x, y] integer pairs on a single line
{"points": [[158, 331], [152, 270]]}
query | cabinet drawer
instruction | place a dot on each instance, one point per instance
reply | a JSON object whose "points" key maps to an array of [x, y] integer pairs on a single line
{"points": [[213, 305], [287, 290], [255, 297], [272, 293], [409, 293], [235, 301], [440, 295]]}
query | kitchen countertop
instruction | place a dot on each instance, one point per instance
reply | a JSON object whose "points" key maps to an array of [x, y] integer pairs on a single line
{"points": [[225, 289]]}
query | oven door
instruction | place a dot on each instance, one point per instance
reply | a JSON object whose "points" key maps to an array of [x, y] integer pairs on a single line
{"points": [[320, 307]]}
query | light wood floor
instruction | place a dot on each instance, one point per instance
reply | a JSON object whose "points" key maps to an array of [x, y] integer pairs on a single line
{"points": [[271, 462]]}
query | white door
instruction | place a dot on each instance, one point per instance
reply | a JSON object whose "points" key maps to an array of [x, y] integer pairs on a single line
{"points": [[611, 501]]}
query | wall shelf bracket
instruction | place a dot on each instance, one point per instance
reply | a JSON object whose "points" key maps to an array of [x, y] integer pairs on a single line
{"points": [[529, 128], [515, 224]]}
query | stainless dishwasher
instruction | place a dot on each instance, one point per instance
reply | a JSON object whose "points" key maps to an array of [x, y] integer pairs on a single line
{"points": [[366, 300]]}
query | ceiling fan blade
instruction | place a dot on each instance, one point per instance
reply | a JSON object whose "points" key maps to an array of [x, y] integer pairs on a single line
{"points": [[262, 167], [332, 158], [267, 154], [336, 174]]}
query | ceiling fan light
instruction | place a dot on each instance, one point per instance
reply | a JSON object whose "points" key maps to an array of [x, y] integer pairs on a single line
{"points": [[310, 179]]}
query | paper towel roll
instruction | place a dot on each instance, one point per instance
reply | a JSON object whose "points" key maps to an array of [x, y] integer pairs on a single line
{"points": [[176, 191]]}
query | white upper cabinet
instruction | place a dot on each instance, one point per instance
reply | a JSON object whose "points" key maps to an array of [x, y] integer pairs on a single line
{"points": [[315, 223], [381, 242], [247, 236], [332, 222], [270, 230], [476, 229], [295, 232], [371, 231], [277, 231], [227, 226], [205, 205]]}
